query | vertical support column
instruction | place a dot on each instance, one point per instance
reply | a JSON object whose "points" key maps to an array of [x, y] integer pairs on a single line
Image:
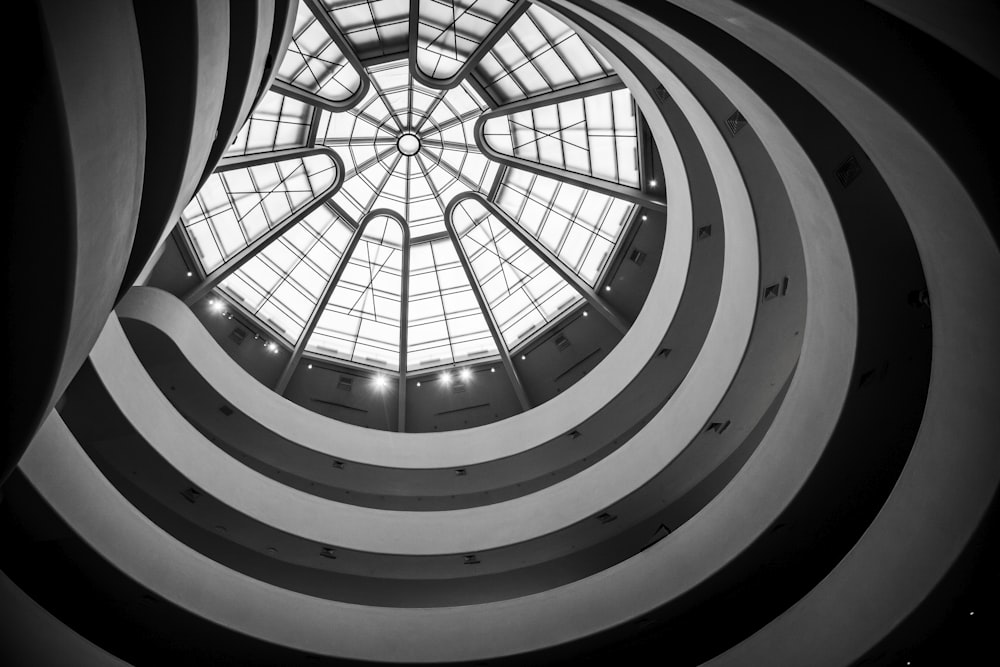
{"points": [[477, 291], [404, 317], [317, 312]]}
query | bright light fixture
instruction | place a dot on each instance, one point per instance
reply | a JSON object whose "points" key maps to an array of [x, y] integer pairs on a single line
{"points": [[446, 378], [465, 374]]}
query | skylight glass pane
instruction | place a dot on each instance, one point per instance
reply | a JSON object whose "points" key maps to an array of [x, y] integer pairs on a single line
{"points": [[283, 283], [523, 291], [579, 226], [450, 30], [360, 322], [314, 63], [372, 27], [594, 135], [539, 54], [236, 207], [277, 123], [445, 323]]}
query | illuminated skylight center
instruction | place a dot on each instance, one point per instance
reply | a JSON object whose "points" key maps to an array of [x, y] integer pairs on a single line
{"points": [[408, 144]]}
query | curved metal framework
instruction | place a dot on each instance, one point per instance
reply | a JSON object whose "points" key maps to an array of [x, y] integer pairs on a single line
{"points": [[565, 228]]}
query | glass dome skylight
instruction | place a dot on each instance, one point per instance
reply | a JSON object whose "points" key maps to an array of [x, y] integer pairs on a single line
{"points": [[419, 191]]}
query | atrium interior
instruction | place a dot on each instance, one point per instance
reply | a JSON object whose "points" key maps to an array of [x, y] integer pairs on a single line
{"points": [[502, 332]]}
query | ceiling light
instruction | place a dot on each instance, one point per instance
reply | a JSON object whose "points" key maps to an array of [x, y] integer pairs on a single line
{"points": [[652, 182], [644, 217], [446, 378], [493, 370], [465, 374], [584, 313], [523, 357], [310, 367], [189, 274], [607, 288], [418, 383], [380, 381]]}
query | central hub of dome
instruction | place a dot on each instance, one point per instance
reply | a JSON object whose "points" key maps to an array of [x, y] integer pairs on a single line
{"points": [[408, 143]]}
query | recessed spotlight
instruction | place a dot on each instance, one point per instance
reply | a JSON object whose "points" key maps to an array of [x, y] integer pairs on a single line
{"points": [[607, 288], [418, 384], [652, 182], [493, 370], [644, 218], [523, 357], [380, 381], [190, 274], [465, 374], [446, 378], [310, 367], [584, 313]]}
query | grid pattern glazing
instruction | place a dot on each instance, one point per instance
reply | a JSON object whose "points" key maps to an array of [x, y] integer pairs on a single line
{"points": [[314, 63], [373, 27], [283, 283], [450, 30], [596, 136], [277, 123], [581, 227], [361, 321], [236, 207], [445, 323], [521, 289], [538, 54]]}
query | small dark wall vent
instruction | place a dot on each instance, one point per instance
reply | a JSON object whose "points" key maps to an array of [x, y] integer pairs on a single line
{"points": [[226, 410], [345, 383], [704, 232], [736, 122], [718, 427], [471, 559], [848, 171], [637, 257], [191, 494], [606, 517], [562, 342], [661, 93], [328, 552], [238, 335]]}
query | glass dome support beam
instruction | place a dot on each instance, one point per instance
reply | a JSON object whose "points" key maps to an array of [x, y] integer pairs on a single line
{"points": [[498, 31], [212, 280], [477, 291], [404, 313], [317, 311], [607, 84], [582, 288]]}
